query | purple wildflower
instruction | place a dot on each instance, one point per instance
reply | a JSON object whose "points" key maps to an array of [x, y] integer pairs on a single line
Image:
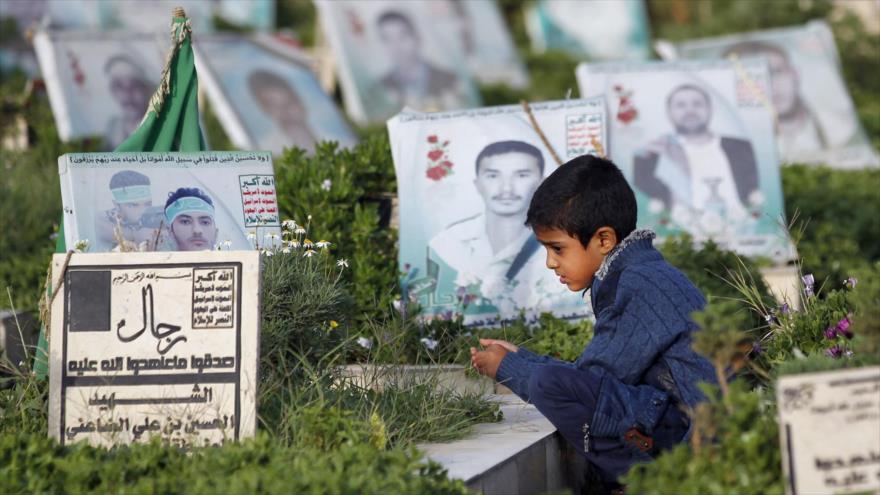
{"points": [[756, 348], [830, 333], [851, 282], [785, 309], [835, 352], [770, 318], [809, 281], [843, 327]]}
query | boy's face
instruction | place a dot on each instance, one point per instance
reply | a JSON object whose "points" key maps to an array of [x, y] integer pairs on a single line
{"points": [[132, 212], [575, 264]]}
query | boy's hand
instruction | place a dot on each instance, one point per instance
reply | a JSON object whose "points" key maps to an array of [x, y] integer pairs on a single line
{"points": [[503, 343], [486, 362]]}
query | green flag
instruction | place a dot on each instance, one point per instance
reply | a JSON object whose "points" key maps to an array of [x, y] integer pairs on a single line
{"points": [[170, 124]]}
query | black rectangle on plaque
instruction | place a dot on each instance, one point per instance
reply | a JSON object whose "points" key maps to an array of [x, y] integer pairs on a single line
{"points": [[88, 300]]}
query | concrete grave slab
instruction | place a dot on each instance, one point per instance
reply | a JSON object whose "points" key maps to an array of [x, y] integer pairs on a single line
{"points": [[154, 344], [829, 427]]}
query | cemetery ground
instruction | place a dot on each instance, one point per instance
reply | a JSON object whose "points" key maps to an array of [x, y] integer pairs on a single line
{"points": [[318, 433]]}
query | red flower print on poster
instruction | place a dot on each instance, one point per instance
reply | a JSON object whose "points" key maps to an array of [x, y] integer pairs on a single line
{"points": [[439, 164]]}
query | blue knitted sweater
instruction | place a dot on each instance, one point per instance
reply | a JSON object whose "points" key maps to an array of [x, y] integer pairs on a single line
{"points": [[641, 346]]}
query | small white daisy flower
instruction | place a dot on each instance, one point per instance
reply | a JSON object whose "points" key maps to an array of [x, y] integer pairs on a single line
{"points": [[309, 253], [430, 344], [342, 263], [327, 184], [322, 244]]}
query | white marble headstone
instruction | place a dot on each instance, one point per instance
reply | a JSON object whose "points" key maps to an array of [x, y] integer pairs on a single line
{"points": [[829, 427], [155, 344]]}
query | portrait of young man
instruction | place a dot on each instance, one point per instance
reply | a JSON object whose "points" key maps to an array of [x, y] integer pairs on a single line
{"points": [[189, 215], [412, 80], [494, 249]]}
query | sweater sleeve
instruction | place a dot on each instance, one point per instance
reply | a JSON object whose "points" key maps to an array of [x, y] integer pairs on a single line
{"points": [[517, 367]]}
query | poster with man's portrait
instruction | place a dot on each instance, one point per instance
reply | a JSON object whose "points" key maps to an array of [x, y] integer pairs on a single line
{"points": [[99, 84], [816, 120], [389, 55], [266, 96], [144, 201], [465, 180], [695, 140], [483, 37], [596, 29]]}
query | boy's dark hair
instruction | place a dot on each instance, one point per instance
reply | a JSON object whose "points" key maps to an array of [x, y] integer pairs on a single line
{"points": [[502, 147], [185, 192], [581, 196], [127, 178]]}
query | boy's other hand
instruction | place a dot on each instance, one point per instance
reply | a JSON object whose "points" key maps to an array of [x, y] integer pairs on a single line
{"points": [[487, 361], [503, 343]]}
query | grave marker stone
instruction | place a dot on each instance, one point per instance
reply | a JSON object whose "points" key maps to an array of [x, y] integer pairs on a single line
{"points": [[154, 344], [829, 425]]}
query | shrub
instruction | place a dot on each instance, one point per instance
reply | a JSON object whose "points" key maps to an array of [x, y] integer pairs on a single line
{"points": [[744, 457], [344, 191], [836, 213], [304, 306], [36, 464]]}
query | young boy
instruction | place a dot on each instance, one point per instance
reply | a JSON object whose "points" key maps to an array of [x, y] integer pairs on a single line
{"points": [[623, 399]]}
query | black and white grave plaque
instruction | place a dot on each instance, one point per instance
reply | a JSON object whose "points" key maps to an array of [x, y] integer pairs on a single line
{"points": [[829, 426], [155, 344]]}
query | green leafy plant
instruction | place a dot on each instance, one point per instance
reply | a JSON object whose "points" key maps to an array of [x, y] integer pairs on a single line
{"points": [[346, 192]]}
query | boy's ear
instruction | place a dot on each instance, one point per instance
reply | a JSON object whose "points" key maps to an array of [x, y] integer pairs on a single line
{"points": [[607, 239]]}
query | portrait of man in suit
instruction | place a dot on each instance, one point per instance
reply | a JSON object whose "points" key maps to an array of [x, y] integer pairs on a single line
{"points": [[694, 167]]}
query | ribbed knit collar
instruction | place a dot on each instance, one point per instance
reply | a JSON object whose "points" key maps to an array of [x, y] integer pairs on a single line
{"points": [[638, 241]]}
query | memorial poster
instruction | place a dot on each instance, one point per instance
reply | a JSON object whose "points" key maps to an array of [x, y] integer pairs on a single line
{"points": [[169, 201], [465, 180], [99, 84], [610, 30], [146, 15], [389, 55], [146, 345], [829, 430], [816, 120], [266, 96], [484, 39], [695, 140]]}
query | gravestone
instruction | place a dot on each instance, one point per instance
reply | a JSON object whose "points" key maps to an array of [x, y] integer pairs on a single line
{"points": [[154, 344], [829, 426]]}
